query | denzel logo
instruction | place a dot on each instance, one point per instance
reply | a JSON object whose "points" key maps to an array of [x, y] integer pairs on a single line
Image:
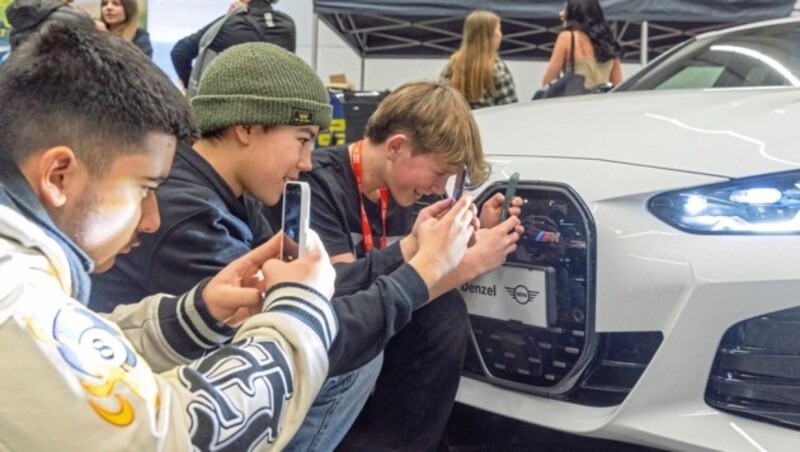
{"points": [[522, 294]]}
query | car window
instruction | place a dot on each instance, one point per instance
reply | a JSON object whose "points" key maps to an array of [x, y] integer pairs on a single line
{"points": [[767, 56]]}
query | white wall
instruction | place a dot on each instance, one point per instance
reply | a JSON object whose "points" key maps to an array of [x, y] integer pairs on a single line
{"points": [[169, 22]]}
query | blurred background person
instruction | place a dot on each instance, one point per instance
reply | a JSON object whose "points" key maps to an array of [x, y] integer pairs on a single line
{"points": [[30, 17], [121, 18], [246, 21], [597, 53], [476, 69]]}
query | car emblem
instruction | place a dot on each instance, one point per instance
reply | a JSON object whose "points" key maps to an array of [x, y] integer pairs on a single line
{"points": [[521, 294]]}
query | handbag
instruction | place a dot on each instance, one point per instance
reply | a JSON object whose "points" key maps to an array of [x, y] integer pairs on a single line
{"points": [[569, 84]]}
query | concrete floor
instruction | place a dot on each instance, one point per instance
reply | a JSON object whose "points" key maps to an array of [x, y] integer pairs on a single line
{"points": [[472, 430]]}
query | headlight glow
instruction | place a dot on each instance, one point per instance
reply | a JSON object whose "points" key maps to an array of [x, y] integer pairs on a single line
{"points": [[759, 205]]}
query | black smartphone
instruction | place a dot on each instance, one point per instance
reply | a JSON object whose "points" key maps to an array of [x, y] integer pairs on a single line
{"points": [[296, 206], [458, 187], [511, 191]]}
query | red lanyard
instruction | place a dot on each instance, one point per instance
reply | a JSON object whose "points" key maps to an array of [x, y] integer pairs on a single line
{"points": [[366, 229]]}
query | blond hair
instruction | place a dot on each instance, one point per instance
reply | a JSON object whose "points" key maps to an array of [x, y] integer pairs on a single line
{"points": [[128, 28], [437, 119], [472, 66]]}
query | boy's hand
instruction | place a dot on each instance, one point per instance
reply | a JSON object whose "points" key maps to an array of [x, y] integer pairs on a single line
{"points": [[314, 269], [490, 212], [235, 292], [443, 242], [492, 246], [410, 243]]}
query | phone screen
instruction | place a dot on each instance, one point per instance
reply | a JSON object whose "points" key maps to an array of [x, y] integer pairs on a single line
{"points": [[511, 191], [458, 187], [292, 198]]}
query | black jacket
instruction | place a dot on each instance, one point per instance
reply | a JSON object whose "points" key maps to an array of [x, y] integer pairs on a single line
{"points": [[237, 30]]}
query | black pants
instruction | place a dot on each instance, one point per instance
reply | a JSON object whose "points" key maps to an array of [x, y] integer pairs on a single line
{"points": [[417, 386]]}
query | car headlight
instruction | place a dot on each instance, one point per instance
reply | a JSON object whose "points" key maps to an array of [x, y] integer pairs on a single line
{"points": [[757, 205]]}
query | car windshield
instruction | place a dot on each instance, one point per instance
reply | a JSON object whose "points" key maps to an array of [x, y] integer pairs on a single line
{"points": [[766, 56]]}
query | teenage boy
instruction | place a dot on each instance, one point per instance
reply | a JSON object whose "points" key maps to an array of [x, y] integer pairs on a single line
{"points": [[88, 130], [259, 109], [420, 135]]}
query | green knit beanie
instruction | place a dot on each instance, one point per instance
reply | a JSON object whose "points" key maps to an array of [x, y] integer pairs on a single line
{"points": [[260, 84]]}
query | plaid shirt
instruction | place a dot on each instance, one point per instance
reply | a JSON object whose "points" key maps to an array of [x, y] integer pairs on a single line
{"points": [[506, 93]]}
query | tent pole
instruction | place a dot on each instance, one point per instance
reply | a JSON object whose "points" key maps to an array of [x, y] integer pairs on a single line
{"points": [[363, 66], [314, 40], [644, 45]]}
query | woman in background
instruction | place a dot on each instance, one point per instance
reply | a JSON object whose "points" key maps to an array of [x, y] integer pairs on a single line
{"points": [[597, 52], [475, 69], [120, 18]]}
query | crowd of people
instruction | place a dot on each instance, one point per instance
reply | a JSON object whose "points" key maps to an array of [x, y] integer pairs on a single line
{"points": [[143, 305]]}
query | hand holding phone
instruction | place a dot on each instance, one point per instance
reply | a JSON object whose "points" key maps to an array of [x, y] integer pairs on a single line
{"points": [[511, 191], [296, 207], [458, 187]]}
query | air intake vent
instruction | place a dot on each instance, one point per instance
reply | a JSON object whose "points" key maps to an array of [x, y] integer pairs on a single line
{"points": [[756, 372]]}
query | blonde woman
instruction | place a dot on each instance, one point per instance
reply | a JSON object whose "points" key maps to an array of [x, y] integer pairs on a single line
{"points": [[120, 18], [475, 69]]}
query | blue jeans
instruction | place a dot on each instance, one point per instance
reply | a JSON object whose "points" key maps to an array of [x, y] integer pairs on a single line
{"points": [[335, 409]]}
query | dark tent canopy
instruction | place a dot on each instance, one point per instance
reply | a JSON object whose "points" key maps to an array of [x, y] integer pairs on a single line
{"points": [[417, 28]]}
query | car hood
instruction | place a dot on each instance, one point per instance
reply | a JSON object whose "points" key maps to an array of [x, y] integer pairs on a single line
{"points": [[730, 133]]}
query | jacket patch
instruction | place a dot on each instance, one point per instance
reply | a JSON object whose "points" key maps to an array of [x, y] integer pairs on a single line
{"points": [[226, 378]]}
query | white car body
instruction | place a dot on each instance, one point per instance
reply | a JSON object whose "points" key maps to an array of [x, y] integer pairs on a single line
{"points": [[615, 152]]}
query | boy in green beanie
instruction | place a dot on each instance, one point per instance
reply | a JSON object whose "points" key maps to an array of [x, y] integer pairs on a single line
{"points": [[259, 109]]}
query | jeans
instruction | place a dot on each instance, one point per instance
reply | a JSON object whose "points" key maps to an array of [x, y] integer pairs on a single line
{"points": [[417, 387], [335, 409]]}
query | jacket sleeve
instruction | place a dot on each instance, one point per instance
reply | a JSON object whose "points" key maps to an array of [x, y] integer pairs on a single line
{"points": [[169, 331], [369, 318], [358, 275], [78, 375], [185, 51]]}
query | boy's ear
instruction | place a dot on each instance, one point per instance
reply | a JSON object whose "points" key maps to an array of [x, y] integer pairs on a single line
{"points": [[395, 145], [57, 168], [243, 134]]}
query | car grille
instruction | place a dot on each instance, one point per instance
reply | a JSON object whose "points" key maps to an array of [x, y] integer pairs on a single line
{"points": [[755, 372], [567, 360]]}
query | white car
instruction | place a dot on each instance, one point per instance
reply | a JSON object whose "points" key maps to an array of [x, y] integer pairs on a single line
{"points": [[759, 54], [655, 296]]}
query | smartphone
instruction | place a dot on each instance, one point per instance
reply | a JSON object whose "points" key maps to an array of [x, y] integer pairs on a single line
{"points": [[294, 223], [458, 187], [511, 191]]}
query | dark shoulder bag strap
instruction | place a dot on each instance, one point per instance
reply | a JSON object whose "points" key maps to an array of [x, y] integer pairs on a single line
{"points": [[571, 67]]}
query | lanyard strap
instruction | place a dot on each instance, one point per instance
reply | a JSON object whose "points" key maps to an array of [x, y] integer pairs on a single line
{"points": [[366, 229]]}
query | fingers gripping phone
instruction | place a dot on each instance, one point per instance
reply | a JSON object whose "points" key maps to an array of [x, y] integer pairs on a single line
{"points": [[458, 187], [296, 206], [511, 191]]}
